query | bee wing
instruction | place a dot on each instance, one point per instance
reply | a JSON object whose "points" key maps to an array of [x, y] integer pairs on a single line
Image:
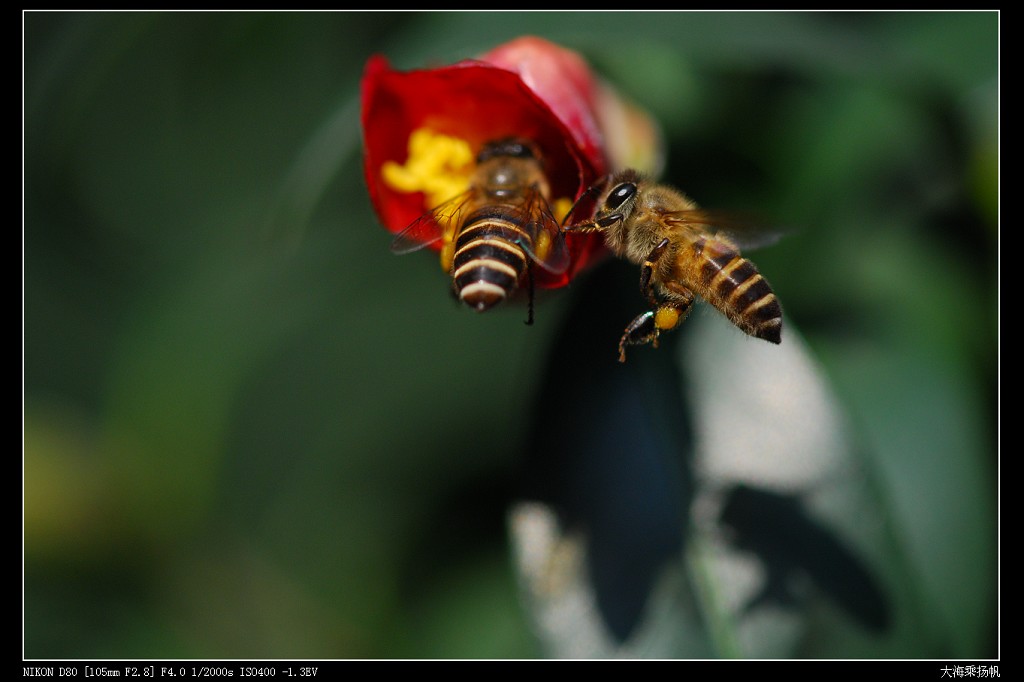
{"points": [[432, 226], [744, 231], [547, 245]]}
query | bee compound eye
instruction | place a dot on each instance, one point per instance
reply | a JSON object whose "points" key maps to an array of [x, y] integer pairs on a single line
{"points": [[620, 195]]}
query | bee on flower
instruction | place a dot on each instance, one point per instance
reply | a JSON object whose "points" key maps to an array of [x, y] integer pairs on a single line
{"points": [[481, 159]]}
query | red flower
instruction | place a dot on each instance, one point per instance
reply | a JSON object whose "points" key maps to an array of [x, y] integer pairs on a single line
{"points": [[527, 88]]}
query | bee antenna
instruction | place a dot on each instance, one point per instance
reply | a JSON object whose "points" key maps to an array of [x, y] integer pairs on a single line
{"points": [[587, 196]]}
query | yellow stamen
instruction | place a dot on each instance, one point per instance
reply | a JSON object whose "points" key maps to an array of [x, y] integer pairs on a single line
{"points": [[438, 165]]}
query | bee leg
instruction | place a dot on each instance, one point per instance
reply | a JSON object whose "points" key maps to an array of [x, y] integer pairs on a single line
{"points": [[641, 330], [529, 293], [646, 327], [598, 225], [647, 270]]}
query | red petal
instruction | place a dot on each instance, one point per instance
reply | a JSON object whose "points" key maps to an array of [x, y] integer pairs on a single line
{"points": [[563, 81]]}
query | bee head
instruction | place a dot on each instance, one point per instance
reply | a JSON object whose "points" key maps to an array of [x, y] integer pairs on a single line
{"points": [[514, 147], [621, 197]]}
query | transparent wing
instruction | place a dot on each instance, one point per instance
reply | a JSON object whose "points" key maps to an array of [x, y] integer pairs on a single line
{"points": [[547, 245], [745, 231], [432, 226]]}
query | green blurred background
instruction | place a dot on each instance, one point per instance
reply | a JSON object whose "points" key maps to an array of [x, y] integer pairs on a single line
{"points": [[252, 432]]}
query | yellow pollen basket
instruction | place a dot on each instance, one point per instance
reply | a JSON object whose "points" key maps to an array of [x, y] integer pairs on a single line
{"points": [[666, 318]]}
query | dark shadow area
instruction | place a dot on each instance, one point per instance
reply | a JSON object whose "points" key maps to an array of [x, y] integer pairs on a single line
{"points": [[792, 544], [610, 445]]}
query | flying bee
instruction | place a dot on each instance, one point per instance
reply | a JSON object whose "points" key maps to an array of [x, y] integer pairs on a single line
{"points": [[495, 232], [682, 256]]}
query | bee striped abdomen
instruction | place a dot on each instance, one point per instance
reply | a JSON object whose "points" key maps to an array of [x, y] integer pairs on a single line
{"points": [[488, 261], [734, 286]]}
